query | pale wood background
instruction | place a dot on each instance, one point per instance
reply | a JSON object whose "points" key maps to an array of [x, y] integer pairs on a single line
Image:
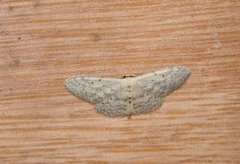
{"points": [[43, 42]]}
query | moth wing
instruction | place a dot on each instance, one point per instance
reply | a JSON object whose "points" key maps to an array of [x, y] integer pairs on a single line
{"points": [[153, 87], [105, 93]]}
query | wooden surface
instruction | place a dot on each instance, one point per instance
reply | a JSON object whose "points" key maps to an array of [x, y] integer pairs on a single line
{"points": [[43, 42]]}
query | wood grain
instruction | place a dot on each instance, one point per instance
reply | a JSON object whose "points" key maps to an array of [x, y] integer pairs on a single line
{"points": [[43, 42]]}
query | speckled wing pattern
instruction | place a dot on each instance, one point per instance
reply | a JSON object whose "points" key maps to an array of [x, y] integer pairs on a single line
{"points": [[151, 88], [131, 96], [106, 93]]}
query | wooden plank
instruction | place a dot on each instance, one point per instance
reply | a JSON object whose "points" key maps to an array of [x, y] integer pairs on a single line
{"points": [[43, 42]]}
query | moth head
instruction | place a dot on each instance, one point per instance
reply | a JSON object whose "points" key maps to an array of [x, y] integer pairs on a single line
{"points": [[127, 76]]}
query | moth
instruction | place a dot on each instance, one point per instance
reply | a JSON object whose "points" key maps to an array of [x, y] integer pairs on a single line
{"points": [[129, 96]]}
